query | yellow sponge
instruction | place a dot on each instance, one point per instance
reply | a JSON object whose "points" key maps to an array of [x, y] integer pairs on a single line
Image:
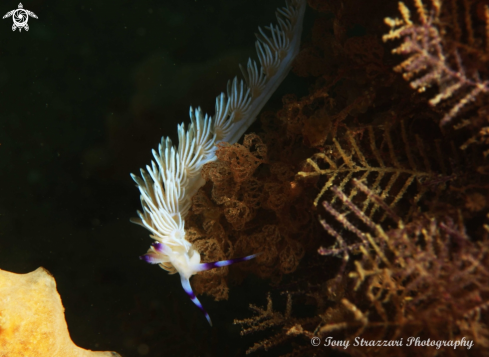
{"points": [[32, 321]]}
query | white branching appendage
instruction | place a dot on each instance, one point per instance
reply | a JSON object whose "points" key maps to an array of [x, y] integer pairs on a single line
{"points": [[175, 174]]}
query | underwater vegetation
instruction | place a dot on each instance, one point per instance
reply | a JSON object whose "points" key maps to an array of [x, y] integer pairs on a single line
{"points": [[400, 178]]}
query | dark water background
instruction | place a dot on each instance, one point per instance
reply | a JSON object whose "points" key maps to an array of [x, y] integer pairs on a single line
{"points": [[85, 95]]}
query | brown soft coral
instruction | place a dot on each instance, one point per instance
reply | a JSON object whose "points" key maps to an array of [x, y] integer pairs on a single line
{"points": [[251, 204], [406, 252]]}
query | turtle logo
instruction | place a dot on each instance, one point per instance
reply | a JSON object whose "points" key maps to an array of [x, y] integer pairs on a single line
{"points": [[20, 17]]}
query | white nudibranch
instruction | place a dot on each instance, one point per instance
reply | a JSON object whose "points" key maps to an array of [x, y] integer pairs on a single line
{"points": [[175, 174]]}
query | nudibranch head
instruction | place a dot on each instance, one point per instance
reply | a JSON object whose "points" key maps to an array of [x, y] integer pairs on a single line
{"points": [[185, 262]]}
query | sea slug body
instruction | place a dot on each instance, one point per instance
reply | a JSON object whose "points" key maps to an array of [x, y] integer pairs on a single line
{"points": [[168, 185]]}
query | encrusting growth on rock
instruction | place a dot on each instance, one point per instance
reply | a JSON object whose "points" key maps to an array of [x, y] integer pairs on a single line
{"points": [[32, 320]]}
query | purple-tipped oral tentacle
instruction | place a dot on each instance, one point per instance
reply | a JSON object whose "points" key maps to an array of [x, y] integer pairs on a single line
{"points": [[161, 248], [223, 263], [152, 258], [155, 255], [188, 289]]}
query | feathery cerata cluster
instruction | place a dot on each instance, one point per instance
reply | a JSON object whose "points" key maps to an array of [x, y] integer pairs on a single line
{"points": [[168, 185]]}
